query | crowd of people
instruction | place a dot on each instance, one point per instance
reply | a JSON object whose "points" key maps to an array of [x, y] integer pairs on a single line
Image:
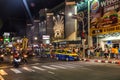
{"points": [[98, 52]]}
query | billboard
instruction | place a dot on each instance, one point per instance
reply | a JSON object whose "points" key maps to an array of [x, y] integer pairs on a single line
{"points": [[105, 16]]}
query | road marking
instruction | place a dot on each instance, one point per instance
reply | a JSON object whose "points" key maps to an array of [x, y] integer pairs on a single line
{"points": [[1, 78], [68, 66], [28, 69], [58, 66], [51, 72], [38, 68], [49, 67], [4, 67], [2, 72], [15, 70], [35, 64]]}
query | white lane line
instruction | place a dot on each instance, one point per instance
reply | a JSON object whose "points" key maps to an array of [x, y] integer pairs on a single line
{"points": [[35, 64], [57, 66], [15, 70], [1, 78], [2, 72], [51, 72], [67, 66], [48, 67], [28, 69], [38, 68]]}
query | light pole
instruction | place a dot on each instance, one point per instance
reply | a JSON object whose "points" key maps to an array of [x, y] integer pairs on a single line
{"points": [[80, 18], [89, 37]]}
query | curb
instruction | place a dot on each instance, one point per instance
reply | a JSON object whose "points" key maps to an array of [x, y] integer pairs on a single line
{"points": [[102, 61]]}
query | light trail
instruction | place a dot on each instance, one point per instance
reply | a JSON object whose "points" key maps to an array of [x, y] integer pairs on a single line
{"points": [[28, 10]]}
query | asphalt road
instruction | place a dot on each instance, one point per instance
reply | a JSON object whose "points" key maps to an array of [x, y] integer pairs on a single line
{"points": [[75, 70]]}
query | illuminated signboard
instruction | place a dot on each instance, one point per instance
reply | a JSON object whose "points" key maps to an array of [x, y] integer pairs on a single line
{"points": [[46, 37], [105, 17]]}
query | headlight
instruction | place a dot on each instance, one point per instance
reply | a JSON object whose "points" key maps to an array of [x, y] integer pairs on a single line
{"points": [[2, 55]]}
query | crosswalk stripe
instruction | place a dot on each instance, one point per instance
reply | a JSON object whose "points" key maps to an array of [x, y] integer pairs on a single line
{"points": [[15, 70], [58, 66], [1, 78], [51, 72], [48, 67], [68, 66], [28, 69], [2, 72], [38, 68]]}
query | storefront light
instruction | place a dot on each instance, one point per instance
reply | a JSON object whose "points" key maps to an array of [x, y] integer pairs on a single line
{"points": [[35, 38], [70, 14]]}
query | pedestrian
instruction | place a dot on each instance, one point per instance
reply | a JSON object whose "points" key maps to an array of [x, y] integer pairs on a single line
{"points": [[119, 53], [106, 52], [112, 52], [116, 52], [24, 58], [88, 52], [92, 52]]}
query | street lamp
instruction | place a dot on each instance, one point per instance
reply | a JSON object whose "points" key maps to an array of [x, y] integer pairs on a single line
{"points": [[70, 14], [35, 38], [89, 37]]}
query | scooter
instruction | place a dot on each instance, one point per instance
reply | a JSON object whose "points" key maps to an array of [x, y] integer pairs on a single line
{"points": [[1, 57], [16, 62], [24, 59]]}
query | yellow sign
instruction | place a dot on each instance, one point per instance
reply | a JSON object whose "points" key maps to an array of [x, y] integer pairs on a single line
{"points": [[111, 29], [24, 43]]}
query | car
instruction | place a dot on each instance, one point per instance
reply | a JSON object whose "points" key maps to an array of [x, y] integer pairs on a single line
{"points": [[54, 52], [67, 55], [45, 54]]}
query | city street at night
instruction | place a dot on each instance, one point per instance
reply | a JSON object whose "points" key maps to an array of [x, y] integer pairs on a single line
{"points": [[59, 39], [62, 70]]}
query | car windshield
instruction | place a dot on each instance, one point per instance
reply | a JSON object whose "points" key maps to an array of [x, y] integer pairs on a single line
{"points": [[53, 50], [69, 51], [46, 50]]}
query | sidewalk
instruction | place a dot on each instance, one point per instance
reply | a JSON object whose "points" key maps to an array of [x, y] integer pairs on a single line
{"points": [[102, 60]]}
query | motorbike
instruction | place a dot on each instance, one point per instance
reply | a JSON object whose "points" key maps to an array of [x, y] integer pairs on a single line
{"points": [[1, 57], [24, 59], [16, 62]]}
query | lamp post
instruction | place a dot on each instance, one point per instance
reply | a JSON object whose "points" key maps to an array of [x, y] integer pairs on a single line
{"points": [[89, 37], [80, 18]]}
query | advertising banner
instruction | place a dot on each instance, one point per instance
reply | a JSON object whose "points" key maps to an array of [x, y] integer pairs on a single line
{"points": [[105, 16]]}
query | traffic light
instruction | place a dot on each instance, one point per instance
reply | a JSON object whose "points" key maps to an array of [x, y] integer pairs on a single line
{"points": [[83, 35]]}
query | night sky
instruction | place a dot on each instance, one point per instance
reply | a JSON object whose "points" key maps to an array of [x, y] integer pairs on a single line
{"points": [[13, 14]]}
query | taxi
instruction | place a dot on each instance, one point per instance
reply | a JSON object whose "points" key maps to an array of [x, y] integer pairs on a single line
{"points": [[50, 53], [67, 55]]}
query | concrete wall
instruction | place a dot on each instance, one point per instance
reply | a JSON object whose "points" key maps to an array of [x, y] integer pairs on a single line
{"points": [[70, 31]]}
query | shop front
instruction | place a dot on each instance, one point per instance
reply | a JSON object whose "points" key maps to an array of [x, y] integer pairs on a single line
{"points": [[105, 22]]}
